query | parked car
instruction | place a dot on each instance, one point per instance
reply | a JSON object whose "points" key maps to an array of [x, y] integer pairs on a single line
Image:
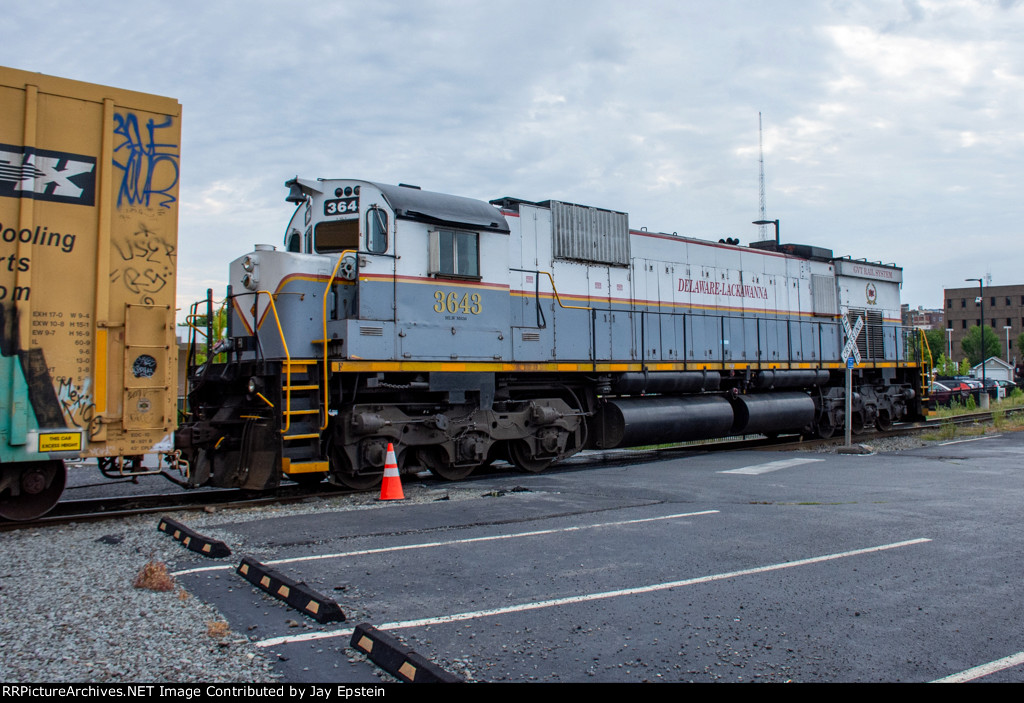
{"points": [[945, 392], [999, 388], [974, 383]]}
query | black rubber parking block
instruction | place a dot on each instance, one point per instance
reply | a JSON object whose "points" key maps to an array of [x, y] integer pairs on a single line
{"points": [[389, 654], [295, 593], [191, 539]]}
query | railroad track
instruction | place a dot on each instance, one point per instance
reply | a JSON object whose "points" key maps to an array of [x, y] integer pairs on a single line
{"points": [[107, 508], [94, 509]]}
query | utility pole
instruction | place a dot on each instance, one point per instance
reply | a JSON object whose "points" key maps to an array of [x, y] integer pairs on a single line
{"points": [[983, 396]]}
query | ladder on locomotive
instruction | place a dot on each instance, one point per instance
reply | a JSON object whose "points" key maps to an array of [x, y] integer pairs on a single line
{"points": [[302, 408], [305, 398]]}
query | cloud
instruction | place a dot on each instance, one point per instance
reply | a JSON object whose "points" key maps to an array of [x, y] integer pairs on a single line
{"points": [[890, 129]]}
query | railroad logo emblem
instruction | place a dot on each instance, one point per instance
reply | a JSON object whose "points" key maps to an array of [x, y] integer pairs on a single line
{"points": [[871, 293], [41, 174]]}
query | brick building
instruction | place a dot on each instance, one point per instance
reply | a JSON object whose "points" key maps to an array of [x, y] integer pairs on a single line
{"points": [[1004, 307], [923, 318]]}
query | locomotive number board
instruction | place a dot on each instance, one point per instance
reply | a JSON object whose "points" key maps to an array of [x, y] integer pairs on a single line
{"points": [[341, 206]]}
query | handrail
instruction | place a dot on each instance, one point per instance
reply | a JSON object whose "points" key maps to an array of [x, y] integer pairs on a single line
{"points": [[558, 299], [327, 290], [193, 332], [926, 346], [287, 361], [926, 372]]}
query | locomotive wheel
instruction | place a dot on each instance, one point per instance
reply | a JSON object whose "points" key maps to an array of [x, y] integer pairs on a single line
{"points": [[360, 482], [521, 456], [39, 485], [435, 460], [824, 427], [342, 472], [883, 421]]}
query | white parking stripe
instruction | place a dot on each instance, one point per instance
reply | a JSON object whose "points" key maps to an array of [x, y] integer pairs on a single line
{"points": [[468, 540], [347, 632], [770, 466], [974, 439], [984, 670]]}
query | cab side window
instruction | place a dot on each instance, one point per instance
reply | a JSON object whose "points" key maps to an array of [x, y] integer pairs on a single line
{"points": [[454, 253], [376, 230]]}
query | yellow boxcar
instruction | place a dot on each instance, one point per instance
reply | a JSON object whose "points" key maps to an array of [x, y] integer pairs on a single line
{"points": [[88, 260]]}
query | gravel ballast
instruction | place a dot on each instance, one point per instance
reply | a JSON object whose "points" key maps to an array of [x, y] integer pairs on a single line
{"points": [[69, 612]]}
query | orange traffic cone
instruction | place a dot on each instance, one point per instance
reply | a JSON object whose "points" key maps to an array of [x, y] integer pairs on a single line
{"points": [[391, 488]]}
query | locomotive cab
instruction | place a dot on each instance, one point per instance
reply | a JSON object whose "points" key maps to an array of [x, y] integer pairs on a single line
{"points": [[323, 257]]}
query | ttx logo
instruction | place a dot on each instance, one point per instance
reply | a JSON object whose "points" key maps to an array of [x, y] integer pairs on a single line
{"points": [[47, 175]]}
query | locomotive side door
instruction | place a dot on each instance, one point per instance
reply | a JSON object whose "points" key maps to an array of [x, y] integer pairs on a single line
{"points": [[600, 300], [648, 293], [377, 259]]}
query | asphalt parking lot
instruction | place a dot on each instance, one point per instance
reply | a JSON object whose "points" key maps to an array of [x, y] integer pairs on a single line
{"points": [[733, 566]]}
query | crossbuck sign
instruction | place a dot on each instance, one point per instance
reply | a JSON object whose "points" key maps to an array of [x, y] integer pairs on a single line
{"points": [[850, 351]]}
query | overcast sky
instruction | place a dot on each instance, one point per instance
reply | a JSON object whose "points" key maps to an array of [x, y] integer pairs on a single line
{"points": [[893, 131]]}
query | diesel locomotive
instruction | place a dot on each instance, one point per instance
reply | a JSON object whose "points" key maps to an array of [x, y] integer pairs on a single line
{"points": [[462, 331]]}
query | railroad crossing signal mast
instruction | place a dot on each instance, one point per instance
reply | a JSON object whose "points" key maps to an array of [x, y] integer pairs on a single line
{"points": [[852, 356]]}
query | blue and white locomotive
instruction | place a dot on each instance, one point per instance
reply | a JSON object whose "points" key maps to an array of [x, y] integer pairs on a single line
{"points": [[462, 331]]}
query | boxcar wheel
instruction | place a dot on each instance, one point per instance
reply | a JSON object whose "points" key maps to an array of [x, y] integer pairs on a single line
{"points": [[38, 487]]}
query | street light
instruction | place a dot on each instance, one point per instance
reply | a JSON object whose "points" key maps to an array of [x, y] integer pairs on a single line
{"points": [[770, 222], [981, 301]]}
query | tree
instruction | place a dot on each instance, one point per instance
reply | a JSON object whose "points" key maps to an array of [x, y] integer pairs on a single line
{"points": [[936, 342], [220, 324], [946, 367], [972, 344]]}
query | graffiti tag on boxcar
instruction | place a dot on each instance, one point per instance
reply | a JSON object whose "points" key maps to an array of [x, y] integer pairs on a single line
{"points": [[149, 167], [150, 262], [77, 405]]}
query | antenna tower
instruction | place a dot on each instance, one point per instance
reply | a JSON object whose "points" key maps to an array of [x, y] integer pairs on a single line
{"points": [[762, 230]]}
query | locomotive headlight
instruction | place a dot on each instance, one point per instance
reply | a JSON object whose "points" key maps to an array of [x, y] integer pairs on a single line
{"points": [[255, 385], [251, 281], [249, 263]]}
